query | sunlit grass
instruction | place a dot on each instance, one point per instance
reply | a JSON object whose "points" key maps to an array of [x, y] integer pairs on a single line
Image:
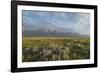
{"points": [[55, 48]]}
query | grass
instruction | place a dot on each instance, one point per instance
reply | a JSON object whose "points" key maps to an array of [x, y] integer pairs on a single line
{"points": [[54, 48]]}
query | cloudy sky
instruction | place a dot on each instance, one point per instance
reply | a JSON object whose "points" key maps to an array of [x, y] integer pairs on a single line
{"points": [[75, 22]]}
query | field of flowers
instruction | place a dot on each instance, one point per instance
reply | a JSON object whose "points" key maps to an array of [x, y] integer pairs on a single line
{"points": [[53, 49]]}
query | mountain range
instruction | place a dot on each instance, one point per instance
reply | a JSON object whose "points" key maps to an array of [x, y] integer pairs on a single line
{"points": [[47, 30]]}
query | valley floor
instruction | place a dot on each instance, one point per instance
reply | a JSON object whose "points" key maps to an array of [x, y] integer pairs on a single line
{"points": [[54, 48]]}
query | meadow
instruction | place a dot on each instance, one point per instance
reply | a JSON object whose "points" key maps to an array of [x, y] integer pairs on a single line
{"points": [[54, 48]]}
